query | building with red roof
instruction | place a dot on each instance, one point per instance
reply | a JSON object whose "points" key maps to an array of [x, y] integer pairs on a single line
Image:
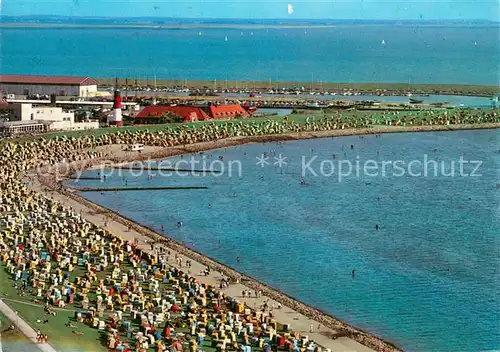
{"points": [[187, 113], [47, 85], [192, 113], [229, 111]]}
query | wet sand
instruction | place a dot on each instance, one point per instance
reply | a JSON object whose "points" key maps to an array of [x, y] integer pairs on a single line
{"points": [[296, 313]]}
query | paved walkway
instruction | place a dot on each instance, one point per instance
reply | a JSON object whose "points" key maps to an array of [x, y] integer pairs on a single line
{"points": [[285, 315], [24, 327]]}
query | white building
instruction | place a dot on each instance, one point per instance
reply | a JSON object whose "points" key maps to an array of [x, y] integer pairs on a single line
{"points": [[47, 85], [25, 118]]}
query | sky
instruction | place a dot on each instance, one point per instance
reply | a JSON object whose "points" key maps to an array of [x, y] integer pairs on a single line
{"points": [[265, 9]]}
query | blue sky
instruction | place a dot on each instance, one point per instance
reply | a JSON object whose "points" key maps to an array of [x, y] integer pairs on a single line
{"points": [[304, 9]]}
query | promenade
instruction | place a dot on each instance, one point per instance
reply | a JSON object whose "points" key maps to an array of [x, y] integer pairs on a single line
{"points": [[27, 330]]}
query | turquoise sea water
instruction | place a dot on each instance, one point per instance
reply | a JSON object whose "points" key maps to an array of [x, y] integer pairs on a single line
{"points": [[428, 280], [343, 54]]}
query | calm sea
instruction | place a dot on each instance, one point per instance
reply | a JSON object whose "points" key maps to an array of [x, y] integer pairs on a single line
{"points": [[342, 54], [427, 280]]}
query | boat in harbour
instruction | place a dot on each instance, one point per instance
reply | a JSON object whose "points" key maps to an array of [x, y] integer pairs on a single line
{"points": [[316, 106]]}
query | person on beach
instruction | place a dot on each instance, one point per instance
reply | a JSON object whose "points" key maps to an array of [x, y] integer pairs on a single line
{"points": [[311, 328]]}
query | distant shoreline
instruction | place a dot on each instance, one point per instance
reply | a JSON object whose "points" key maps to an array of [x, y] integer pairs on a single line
{"points": [[31, 25]]}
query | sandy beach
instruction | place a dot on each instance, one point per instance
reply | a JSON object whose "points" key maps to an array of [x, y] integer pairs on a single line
{"points": [[296, 313]]}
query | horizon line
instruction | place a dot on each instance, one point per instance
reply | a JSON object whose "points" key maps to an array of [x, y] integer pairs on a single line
{"points": [[247, 19]]}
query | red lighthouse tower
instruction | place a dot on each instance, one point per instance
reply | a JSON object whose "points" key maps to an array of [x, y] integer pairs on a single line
{"points": [[115, 117]]}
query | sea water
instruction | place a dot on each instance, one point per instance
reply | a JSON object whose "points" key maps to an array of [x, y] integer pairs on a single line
{"points": [[427, 280], [411, 53]]}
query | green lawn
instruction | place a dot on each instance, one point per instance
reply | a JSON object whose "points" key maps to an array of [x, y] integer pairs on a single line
{"points": [[60, 336], [31, 309]]}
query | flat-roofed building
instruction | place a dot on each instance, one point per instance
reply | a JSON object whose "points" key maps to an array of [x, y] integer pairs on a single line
{"points": [[29, 118], [46, 85]]}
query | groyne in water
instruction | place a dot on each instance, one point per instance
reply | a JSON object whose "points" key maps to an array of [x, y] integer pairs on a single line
{"points": [[120, 189], [145, 168], [85, 178]]}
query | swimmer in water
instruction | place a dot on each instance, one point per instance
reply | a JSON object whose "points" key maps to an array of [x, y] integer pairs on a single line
{"points": [[238, 259], [376, 227], [210, 206], [353, 273], [180, 224], [352, 147], [302, 182]]}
